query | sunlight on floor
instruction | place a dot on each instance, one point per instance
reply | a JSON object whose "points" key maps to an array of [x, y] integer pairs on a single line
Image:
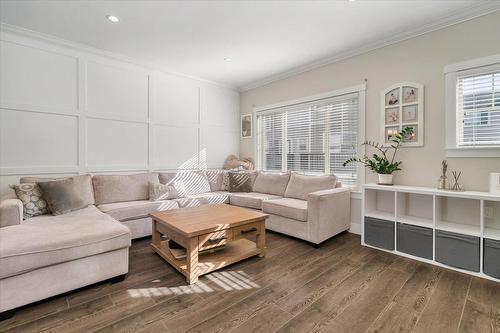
{"points": [[227, 281]]}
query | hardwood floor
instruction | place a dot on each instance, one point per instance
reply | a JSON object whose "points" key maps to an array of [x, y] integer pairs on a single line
{"points": [[339, 287]]}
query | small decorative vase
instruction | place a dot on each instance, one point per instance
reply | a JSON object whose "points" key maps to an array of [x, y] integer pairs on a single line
{"points": [[443, 183], [384, 179]]}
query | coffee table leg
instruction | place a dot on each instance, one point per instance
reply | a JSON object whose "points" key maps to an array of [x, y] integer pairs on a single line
{"points": [[192, 260], [261, 239], [156, 235]]}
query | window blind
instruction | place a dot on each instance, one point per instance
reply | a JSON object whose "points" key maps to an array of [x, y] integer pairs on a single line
{"points": [[478, 110], [314, 137]]}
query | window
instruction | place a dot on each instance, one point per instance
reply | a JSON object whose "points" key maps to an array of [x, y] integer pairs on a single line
{"points": [[313, 137], [473, 108], [478, 110]]}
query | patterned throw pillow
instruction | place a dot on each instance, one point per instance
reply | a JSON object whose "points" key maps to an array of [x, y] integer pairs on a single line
{"points": [[31, 197], [162, 192]]}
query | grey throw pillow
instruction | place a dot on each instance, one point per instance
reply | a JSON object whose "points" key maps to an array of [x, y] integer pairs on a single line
{"points": [[62, 196], [241, 181], [162, 192], [30, 195]]}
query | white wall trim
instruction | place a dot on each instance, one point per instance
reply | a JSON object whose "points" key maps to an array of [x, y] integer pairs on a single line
{"points": [[23, 32], [473, 63], [456, 17]]}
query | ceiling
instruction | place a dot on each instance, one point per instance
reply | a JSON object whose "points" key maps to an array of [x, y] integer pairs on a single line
{"points": [[265, 40]]}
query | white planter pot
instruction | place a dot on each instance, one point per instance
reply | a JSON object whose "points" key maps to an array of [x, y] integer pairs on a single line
{"points": [[384, 179]]}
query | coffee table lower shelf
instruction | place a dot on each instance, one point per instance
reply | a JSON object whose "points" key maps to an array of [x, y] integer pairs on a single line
{"points": [[233, 252]]}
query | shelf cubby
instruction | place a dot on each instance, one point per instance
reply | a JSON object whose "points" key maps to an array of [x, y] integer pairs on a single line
{"points": [[415, 209], [491, 215], [380, 204], [459, 215]]}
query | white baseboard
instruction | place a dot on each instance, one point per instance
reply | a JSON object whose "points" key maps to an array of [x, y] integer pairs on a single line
{"points": [[355, 228]]}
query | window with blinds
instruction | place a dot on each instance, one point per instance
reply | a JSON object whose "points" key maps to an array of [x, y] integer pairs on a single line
{"points": [[478, 110], [314, 137]]}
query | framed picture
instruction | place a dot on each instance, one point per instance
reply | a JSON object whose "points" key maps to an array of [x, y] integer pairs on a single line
{"points": [[410, 113], [410, 94], [391, 116], [246, 126], [402, 105], [392, 97]]}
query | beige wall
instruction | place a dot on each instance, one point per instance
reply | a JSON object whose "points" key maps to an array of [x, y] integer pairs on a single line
{"points": [[420, 59]]}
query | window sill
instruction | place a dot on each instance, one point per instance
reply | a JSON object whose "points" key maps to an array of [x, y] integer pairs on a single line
{"points": [[473, 152]]}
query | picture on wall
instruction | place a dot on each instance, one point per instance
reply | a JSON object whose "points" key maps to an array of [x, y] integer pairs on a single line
{"points": [[410, 94], [246, 126], [392, 97], [410, 113], [402, 104], [391, 116]]}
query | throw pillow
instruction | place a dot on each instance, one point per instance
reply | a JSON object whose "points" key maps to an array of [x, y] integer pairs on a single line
{"points": [[241, 181], [31, 197], [162, 192], [62, 196]]}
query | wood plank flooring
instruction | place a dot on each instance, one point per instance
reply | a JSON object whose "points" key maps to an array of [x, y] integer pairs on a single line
{"points": [[339, 287]]}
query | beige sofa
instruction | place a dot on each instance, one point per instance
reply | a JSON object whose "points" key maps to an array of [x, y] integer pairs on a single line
{"points": [[47, 255]]}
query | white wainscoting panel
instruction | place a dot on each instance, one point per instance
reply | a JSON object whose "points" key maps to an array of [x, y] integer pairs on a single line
{"points": [[69, 110], [175, 147], [116, 143], [177, 100], [218, 105], [216, 145], [33, 139], [117, 92], [34, 79]]}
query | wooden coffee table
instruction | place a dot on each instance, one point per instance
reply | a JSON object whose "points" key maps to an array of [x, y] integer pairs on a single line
{"points": [[208, 227]]}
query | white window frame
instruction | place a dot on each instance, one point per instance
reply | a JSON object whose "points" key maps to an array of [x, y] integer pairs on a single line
{"points": [[359, 89], [452, 72]]}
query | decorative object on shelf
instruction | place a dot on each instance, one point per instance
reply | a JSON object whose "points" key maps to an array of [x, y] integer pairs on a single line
{"points": [[403, 106], [234, 163], [443, 180], [456, 181], [381, 163], [246, 126], [495, 183]]}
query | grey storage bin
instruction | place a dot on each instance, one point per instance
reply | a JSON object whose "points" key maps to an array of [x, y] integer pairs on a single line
{"points": [[457, 250], [415, 240], [491, 263], [379, 233]]}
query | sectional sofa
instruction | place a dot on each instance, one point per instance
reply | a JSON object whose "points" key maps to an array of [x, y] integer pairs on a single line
{"points": [[47, 255]]}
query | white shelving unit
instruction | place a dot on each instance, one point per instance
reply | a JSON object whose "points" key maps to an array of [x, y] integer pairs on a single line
{"points": [[468, 213]]}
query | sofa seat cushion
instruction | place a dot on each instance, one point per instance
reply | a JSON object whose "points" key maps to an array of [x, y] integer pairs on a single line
{"points": [[287, 207], [48, 240], [131, 210], [250, 199]]}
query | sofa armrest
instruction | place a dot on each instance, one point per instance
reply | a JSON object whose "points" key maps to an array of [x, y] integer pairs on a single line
{"points": [[11, 212], [328, 213]]}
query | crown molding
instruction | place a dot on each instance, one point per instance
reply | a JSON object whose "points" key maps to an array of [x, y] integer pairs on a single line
{"points": [[78, 47], [455, 17]]}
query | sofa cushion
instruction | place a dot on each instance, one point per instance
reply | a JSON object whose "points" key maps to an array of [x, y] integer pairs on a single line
{"points": [[192, 202], [131, 210], [47, 240], [186, 182], [300, 185], [82, 184], [295, 209], [241, 181], [272, 183], [118, 188], [199, 199], [62, 196], [218, 179], [251, 199], [162, 192], [30, 195]]}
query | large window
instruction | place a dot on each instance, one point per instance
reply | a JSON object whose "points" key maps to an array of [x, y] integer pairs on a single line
{"points": [[312, 137]]}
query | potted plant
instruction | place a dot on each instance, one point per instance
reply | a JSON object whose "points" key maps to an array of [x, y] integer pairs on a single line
{"points": [[383, 161]]}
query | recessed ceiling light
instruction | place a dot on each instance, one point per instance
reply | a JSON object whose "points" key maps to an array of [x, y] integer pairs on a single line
{"points": [[228, 59], [113, 18]]}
